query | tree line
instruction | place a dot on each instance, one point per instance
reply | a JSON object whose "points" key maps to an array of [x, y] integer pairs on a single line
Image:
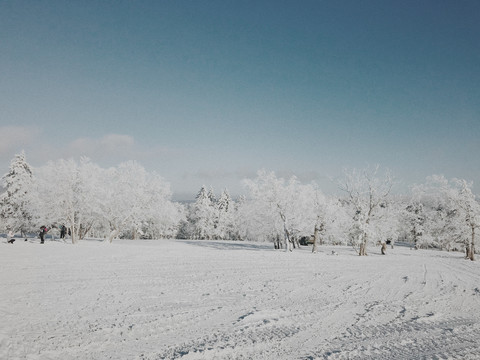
{"points": [[127, 201]]}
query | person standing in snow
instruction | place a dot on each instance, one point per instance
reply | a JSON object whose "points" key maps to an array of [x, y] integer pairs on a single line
{"points": [[63, 230], [43, 231]]}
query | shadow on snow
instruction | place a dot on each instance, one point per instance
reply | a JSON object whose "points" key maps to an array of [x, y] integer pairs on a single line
{"points": [[229, 245]]}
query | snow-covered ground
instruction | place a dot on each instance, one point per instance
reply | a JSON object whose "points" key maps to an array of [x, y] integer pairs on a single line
{"points": [[232, 300]]}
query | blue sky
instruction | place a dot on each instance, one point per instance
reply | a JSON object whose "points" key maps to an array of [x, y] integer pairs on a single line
{"points": [[209, 92]]}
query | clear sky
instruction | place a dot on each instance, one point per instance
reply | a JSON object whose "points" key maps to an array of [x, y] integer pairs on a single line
{"points": [[209, 92]]}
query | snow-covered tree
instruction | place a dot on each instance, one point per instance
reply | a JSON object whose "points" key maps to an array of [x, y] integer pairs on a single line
{"points": [[162, 216], [68, 194], [333, 221], [248, 225], [133, 198], [337, 222], [16, 201], [108, 202], [440, 228], [225, 216], [211, 195], [320, 209], [204, 215], [414, 217], [469, 213], [386, 224], [366, 195], [286, 207]]}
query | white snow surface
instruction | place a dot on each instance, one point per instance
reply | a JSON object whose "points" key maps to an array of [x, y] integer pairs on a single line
{"points": [[170, 299]]}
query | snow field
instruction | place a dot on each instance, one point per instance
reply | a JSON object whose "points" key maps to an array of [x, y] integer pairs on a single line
{"points": [[171, 299]]}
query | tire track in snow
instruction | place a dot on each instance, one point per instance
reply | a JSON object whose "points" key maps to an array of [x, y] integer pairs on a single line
{"points": [[256, 334], [455, 338]]}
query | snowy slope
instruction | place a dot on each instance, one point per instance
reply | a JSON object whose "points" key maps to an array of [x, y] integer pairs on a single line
{"points": [[231, 300]]}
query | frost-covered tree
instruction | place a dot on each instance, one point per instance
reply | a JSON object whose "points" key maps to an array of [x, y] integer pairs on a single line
{"points": [[337, 223], [185, 226], [204, 215], [286, 207], [469, 213], [320, 208], [134, 199], [123, 199], [440, 228], [270, 205], [211, 195], [366, 195], [386, 225], [16, 201], [163, 216], [414, 218], [225, 216], [248, 225], [332, 223], [68, 194], [238, 218]]}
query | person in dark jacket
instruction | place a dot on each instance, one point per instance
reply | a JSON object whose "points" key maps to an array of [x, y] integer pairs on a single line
{"points": [[43, 231], [63, 230]]}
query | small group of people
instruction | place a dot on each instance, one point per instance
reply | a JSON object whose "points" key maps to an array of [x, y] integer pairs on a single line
{"points": [[44, 229], [43, 232]]}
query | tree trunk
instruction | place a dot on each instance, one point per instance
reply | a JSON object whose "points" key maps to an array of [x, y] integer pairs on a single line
{"points": [[362, 250], [113, 235], [84, 229], [288, 243], [472, 245], [363, 247], [296, 243], [73, 234], [315, 239]]}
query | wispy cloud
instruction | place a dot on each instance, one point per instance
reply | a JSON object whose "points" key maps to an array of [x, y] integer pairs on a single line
{"points": [[113, 149], [16, 138], [106, 147], [107, 150]]}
